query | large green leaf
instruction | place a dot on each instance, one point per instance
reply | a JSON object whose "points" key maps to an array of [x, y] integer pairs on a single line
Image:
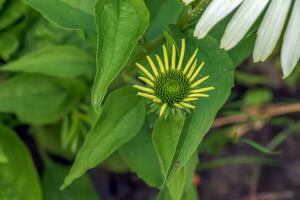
{"points": [[176, 186], [39, 99], [120, 24], [9, 43], [18, 177], [190, 191], [165, 136], [181, 186], [62, 61], [115, 163], [68, 15], [159, 21], [42, 33], [87, 6], [121, 119], [10, 37], [1, 4], [13, 10], [53, 176], [219, 67], [3, 157], [140, 156]]}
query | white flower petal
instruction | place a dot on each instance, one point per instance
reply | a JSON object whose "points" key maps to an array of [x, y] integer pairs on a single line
{"points": [[215, 12], [242, 21], [270, 29], [290, 52], [186, 2]]}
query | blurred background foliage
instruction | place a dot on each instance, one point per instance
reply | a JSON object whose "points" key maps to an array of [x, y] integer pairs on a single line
{"points": [[251, 152]]}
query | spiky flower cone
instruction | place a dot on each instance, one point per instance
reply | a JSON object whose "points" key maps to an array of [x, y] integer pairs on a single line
{"points": [[172, 85]]}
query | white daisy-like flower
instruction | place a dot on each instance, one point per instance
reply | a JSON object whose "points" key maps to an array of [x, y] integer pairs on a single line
{"points": [[269, 31]]}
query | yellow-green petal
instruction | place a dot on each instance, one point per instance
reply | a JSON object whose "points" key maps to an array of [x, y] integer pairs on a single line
{"points": [[152, 65], [182, 52], [197, 95], [145, 71], [173, 62], [160, 64], [199, 82], [192, 69], [187, 105], [202, 90], [147, 81], [189, 63], [144, 89], [166, 58], [162, 109]]}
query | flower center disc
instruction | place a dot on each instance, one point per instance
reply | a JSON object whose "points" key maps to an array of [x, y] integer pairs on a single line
{"points": [[172, 87]]}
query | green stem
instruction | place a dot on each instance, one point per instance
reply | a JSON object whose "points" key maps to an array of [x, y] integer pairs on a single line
{"points": [[155, 43], [191, 13]]}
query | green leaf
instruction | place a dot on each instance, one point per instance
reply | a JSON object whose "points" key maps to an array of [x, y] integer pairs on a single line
{"points": [[243, 50], [215, 142], [10, 38], [122, 117], [165, 137], [181, 185], [39, 99], [18, 177], [258, 146], [219, 67], [115, 163], [176, 185], [3, 157], [249, 80], [159, 21], [190, 192], [25, 93], [140, 156], [68, 15], [13, 10], [120, 24], [87, 6], [257, 97], [54, 174], [8, 44], [1, 4], [61, 61], [48, 137]]}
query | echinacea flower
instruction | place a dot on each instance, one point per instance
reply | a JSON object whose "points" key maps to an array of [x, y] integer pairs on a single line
{"points": [[172, 86], [269, 31]]}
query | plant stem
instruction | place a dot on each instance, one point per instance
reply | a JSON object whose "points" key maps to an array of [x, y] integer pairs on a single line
{"points": [[264, 113], [155, 43]]}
